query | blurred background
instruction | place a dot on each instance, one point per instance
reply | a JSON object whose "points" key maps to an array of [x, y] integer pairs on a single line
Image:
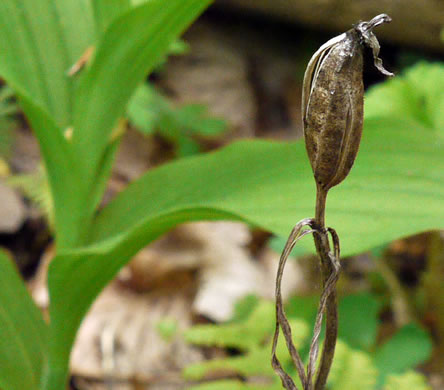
{"points": [[237, 73]]}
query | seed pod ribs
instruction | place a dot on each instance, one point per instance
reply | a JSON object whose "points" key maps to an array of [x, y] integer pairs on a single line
{"points": [[333, 102]]}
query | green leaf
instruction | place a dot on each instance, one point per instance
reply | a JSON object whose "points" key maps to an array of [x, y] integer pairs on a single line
{"points": [[152, 112], [167, 328], [409, 347], [233, 385], [419, 95], [106, 11], [303, 308], [244, 335], [358, 320], [62, 173], [179, 47], [23, 340], [39, 41], [146, 108], [409, 380], [186, 146], [77, 270], [253, 337], [129, 49], [86, 271], [194, 119], [351, 369], [395, 189], [244, 307]]}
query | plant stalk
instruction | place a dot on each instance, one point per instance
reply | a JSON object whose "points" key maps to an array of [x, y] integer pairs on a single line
{"points": [[327, 270], [327, 304]]}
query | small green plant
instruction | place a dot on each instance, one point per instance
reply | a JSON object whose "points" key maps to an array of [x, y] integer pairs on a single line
{"points": [[151, 112], [359, 361], [251, 336], [148, 110], [35, 186], [73, 117]]}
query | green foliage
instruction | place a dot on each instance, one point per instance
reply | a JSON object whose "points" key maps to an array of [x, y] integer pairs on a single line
{"points": [[233, 385], [358, 327], [36, 187], [8, 108], [407, 381], [107, 11], [151, 112], [352, 369], [417, 95], [23, 341], [244, 307], [358, 362], [408, 347], [252, 336], [130, 41], [167, 329]]}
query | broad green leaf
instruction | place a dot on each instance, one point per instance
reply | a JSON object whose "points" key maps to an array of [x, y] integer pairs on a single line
{"points": [[395, 189], [358, 320], [39, 41], [418, 94], [23, 334], [351, 369], [409, 347], [106, 11], [129, 49], [86, 271], [408, 381]]}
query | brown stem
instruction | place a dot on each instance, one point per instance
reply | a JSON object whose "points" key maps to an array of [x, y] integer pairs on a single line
{"points": [[327, 269], [330, 271], [281, 319]]}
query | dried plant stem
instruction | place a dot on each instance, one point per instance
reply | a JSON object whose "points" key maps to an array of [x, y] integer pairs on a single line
{"points": [[330, 273], [332, 130], [281, 319]]}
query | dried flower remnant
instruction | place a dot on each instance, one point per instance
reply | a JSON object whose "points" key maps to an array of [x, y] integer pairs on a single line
{"points": [[333, 101], [333, 111]]}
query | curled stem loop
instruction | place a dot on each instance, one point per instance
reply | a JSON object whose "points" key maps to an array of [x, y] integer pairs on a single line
{"points": [[329, 287]]}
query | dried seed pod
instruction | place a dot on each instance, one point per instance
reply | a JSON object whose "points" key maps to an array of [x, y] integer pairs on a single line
{"points": [[333, 100]]}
